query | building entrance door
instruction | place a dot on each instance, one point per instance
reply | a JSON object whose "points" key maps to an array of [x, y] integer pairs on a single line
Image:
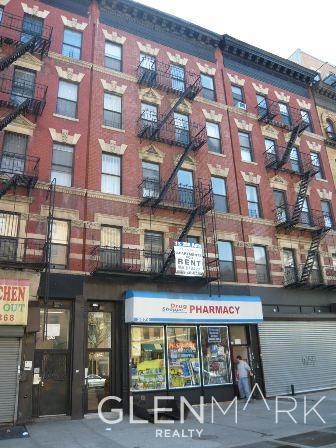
{"points": [[52, 363]]}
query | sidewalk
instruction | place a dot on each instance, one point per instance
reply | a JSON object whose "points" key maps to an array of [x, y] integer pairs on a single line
{"points": [[256, 428]]}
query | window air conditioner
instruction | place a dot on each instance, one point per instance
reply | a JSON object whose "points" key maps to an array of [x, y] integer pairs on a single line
{"points": [[241, 105]]}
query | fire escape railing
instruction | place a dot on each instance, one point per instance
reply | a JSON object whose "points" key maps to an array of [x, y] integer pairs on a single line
{"points": [[24, 36], [159, 75], [17, 170], [286, 216], [319, 277], [279, 158], [24, 252]]}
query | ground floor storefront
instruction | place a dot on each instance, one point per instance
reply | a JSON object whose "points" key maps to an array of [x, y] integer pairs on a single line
{"points": [[114, 337]]}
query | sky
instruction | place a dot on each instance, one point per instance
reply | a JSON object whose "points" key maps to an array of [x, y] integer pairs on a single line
{"points": [[277, 26]]}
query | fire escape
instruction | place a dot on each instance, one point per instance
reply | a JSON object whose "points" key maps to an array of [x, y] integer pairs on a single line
{"points": [[196, 201], [278, 158], [20, 96]]}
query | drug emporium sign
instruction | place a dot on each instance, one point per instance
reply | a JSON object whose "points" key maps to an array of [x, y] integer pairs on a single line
{"points": [[189, 259], [14, 296], [142, 306]]}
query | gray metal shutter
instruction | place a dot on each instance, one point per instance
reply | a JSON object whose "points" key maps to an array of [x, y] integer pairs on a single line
{"points": [[9, 362], [298, 353]]}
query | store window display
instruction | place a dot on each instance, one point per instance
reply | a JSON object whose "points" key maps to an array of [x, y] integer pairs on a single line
{"points": [[183, 357], [147, 358], [216, 363]]}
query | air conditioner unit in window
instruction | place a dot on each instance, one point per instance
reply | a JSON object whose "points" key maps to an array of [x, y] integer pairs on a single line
{"points": [[241, 105]]}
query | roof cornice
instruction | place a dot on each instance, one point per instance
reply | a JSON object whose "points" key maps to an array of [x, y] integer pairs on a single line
{"points": [[325, 89], [273, 62], [168, 22]]}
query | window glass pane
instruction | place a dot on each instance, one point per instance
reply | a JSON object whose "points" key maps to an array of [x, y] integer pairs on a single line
{"points": [[9, 224], [113, 50], [62, 178], [216, 360], [57, 336], [15, 143], [147, 61], [225, 251], [99, 330], [154, 241], [150, 170], [67, 90], [218, 186], [251, 193], [244, 139], [259, 254], [238, 335], [212, 129], [207, 82], [112, 102], [60, 232], [237, 93], [148, 112], [111, 164], [183, 357], [98, 378], [72, 37], [181, 121], [110, 184], [270, 145], [147, 358], [110, 237], [185, 178]]}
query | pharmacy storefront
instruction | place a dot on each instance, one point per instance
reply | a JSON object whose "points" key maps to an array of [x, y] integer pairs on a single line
{"points": [[185, 344]]}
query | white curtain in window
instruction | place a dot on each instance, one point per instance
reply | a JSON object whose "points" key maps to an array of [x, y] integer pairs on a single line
{"points": [[111, 164], [60, 232], [110, 237], [112, 102], [67, 90], [212, 130], [112, 50], [8, 225]]}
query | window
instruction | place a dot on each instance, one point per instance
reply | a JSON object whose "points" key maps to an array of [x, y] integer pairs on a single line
{"points": [[59, 244], [177, 75], [226, 263], [260, 259], [148, 371], [110, 247], [330, 130], [316, 277], [111, 174], [149, 116], [245, 146], [305, 115], [271, 151], [262, 105], [208, 87], [290, 271], [151, 179], [185, 188], [214, 140], [285, 114], [192, 239], [14, 153], [316, 162], [148, 69], [238, 96], [31, 26], [112, 111], [72, 44], [295, 160], [327, 214], [113, 56], [280, 206], [183, 344], [23, 85], [62, 164], [252, 195], [182, 134], [67, 99], [219, 194], [9, 225], [305, 213], [154, 255], [1, 13]]}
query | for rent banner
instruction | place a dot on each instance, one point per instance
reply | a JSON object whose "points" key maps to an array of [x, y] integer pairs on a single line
{"points": [[189, 259], [14, 297], [142, 306]]}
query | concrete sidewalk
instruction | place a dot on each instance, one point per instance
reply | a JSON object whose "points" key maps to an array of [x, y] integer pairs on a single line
{"points": [[256, 428]]}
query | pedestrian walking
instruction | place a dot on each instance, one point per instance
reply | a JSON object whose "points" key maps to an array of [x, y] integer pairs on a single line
{"points": [[243, 375]]}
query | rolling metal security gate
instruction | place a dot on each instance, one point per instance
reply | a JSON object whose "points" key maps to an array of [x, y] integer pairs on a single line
{"points": [[298, 353], [9, 362]]}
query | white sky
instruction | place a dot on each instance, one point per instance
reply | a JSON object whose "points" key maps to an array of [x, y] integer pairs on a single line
{"points": [[277, 26]]}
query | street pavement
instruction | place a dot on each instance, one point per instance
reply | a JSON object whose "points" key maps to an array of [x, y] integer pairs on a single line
{"points": [[258, 425]]}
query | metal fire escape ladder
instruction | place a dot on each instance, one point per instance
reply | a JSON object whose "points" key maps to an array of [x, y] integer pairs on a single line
{"points": [[317, 237], [181, 98], [304, 183], [8, 184], [19, 51], [18, 110], [296, 132]]}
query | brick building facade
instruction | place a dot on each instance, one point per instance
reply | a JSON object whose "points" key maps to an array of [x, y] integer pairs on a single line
{"points": [[156, 131]]}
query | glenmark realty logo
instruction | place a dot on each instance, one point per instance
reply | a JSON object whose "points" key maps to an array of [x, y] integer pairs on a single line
{"points": [[286, 408]]}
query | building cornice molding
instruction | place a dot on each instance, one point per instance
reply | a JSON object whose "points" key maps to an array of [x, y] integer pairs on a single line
{"points": [[73, 23], [64, 136]]}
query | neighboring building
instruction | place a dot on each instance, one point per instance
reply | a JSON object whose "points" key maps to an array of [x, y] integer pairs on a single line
{"points": [[325, 98], [157, 132]]}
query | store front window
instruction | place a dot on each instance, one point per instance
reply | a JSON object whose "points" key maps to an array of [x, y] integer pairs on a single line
{"points": [[183, 357], [147, 358], [216, 362]]}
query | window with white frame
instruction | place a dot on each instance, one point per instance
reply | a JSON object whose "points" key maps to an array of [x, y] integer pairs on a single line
{"points": [[111, 174], [72, 43], [112, 111], [67, 98], [113, 56], [62, 164], [59, 244], [214, 140]]}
